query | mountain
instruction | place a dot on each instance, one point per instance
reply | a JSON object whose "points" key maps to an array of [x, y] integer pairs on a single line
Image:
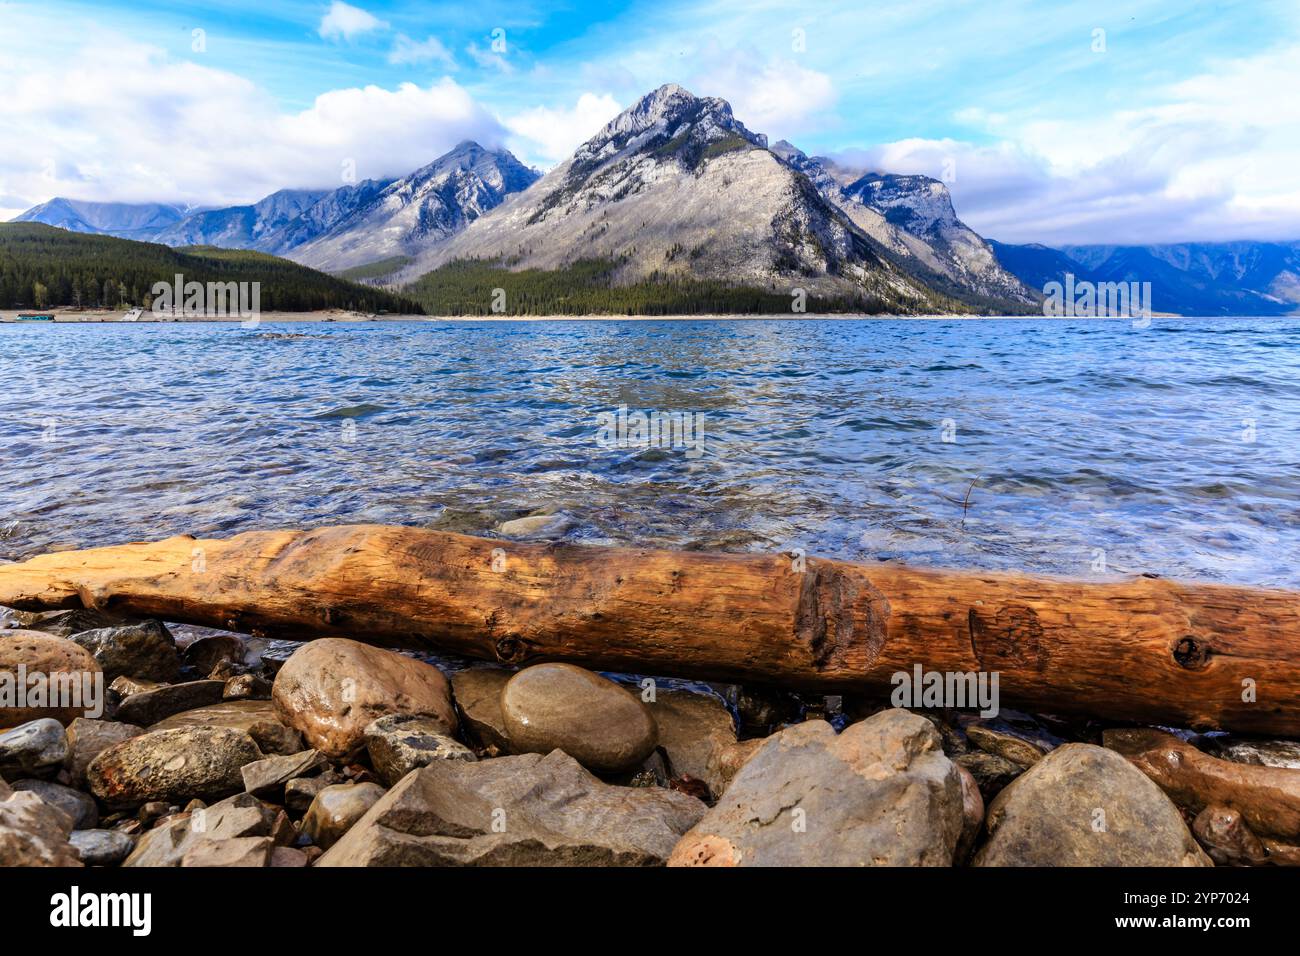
{"points": [[43, 266], [913, 217], [676, 189], [1228, 278], [421, 209], [240, 227], [125, 220]]}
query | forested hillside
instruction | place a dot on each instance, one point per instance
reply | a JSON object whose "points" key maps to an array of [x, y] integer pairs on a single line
{"points": [[42, 267]]}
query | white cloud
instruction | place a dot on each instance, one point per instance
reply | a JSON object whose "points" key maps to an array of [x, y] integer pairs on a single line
{"points": [[122, 122], [344, 22], [775, 96], [407, 51], [553, 134], [489, 58]]}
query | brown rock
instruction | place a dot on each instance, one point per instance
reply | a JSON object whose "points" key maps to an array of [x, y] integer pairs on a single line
{"points": [[33, 833], [71, 621], [331, 689], [529, 810], [991, 772], [1227, 839], [972, 805], [152, 706], [287, 856], [172, 765], [1268, 798], [1002, 741], [478, 699], [267, 778], [726, 762], [236, 852], [207, 652], [257, 718], [247, 687], [563, 707], [37, 748], [694, 730], [87, 739], [238, 817], [337, 809], [123, 687], [301, 791], [1083, 805], [79, 807], [398, 744], [46, 658]]}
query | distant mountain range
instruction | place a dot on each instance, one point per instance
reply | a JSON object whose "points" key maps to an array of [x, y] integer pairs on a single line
{"points": [[675, 189]]}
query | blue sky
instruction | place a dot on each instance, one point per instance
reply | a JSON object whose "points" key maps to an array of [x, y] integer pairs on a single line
{"points": [[1052, 121]]}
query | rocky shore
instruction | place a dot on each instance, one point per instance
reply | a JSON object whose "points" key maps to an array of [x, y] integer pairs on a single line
{"points": [[219, 749]]}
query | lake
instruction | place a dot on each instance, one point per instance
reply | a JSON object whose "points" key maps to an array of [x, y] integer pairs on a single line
{"points": [[1081, 447]]}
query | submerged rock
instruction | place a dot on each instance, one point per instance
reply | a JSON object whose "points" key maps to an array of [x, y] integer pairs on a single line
{"points": [[536, 526], [400, 743], [516, 811], [337, 809], [563, 707], [332, 689], [882, 793], [1083, 805], [478, 699], [144, 651], [1264, 753], [36, 749], [31, 654], [172, 765]]}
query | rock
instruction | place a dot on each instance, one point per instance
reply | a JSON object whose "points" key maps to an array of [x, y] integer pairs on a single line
{"points": [[72, 621], [516, 811], [207, 652], [693, 730], [563, 707], [1083, 805], [332, 689], [399, 743], [478, 699], [172, 765], [763, 709], [972, 804], [1227, 839], [991, 772], [882, 793], [30, 662], [239, 816], [123, 687], [301, 791], [337, 809], [236, 852], [536, 526], [1002, 740], [255, 717], [35, 749], [227, 671], [151, 812], [144, 651], [1262, 753], [79, 807], [153, 706], [1268, 798], [266, 778], [33, 833], [726, 762], [87, 739], [247, 687], [101, 847], [287, 856]]}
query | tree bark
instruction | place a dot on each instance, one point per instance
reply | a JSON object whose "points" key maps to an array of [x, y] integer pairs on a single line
{"points": [[1144, 649]]}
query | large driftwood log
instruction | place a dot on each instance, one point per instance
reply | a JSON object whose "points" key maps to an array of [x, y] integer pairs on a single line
{"points": [[1196, 655]]}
